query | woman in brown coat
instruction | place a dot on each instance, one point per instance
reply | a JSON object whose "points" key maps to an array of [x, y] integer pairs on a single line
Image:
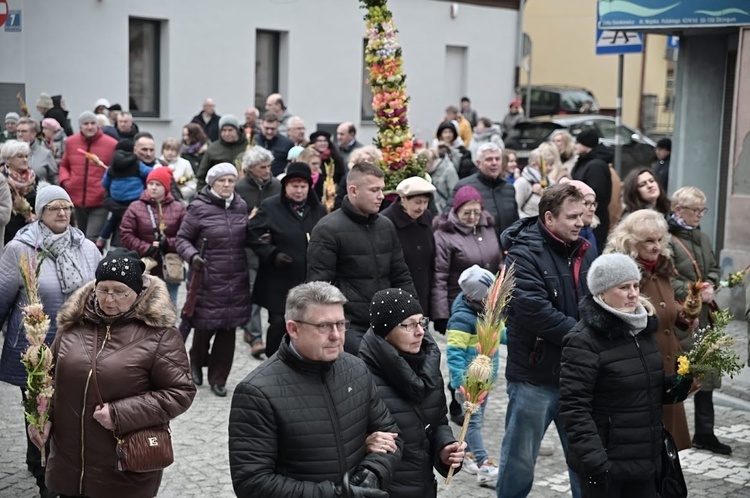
{"points": [[142, 375], [643, 236]]}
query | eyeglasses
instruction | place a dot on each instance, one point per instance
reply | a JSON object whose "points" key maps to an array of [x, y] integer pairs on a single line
{"points": [[468, 213], [590, 204], [325, 328], [59, 209], [698, 211], [412, 326], [116, 295]]}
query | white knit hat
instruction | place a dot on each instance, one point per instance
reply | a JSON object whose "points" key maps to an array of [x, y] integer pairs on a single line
{"points": [[475, 282], [221, 169]]}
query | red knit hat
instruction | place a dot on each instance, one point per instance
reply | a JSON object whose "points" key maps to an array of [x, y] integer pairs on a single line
{"points": [[162, 175], [465, 194]]}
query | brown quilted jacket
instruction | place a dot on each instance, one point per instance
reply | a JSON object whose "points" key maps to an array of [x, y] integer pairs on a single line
{"points": [[143, 374]]}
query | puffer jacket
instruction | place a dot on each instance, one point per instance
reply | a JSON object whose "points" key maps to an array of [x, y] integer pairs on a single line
{"points": [[412, 388], [13, 297], [142, 372], [125, 179], [457, 247], [611, 390], [550, 280], [461, 336], [444, 178], [499, 199], [418, 243], [289, 235], [593, 170], [81, 178], [219, 152], [137, 232], [284, 401], [360, 255], [224, 295], [42, 161]]}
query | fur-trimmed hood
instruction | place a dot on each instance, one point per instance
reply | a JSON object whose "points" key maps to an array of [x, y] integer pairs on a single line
{"points": [[153, 306], [603, 322]]}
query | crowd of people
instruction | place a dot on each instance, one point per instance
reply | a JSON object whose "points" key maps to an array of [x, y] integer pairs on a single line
{"points": [[350, 400]]}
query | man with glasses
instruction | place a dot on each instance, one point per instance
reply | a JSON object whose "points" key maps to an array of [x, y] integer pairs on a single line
{"points": [[303, 418], [551, 261], [498, 194], [41, 159], [359, 250]]}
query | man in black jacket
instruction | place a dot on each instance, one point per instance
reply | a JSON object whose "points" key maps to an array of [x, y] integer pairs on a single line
{"points": [[592, 168], [498, 194], [208, 120], [358, 250], [311, 413], [274, 142], [551, 262]]}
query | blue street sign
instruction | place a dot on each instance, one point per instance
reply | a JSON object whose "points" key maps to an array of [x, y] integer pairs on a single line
{"points": [[618, 42], [13, 23], [673, 41], [655, 14]]}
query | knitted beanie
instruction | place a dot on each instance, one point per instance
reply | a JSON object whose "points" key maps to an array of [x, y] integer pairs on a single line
{"points": [[122, 266], [582, 187], [12, 117], [50, 123], [86, 117], [475, 282], [229, 120], [610, 270], [44, 101], [47, 194], [389, 308], [221, 169], [162, 175], [298, 170], [588, 137], [465, 194]]}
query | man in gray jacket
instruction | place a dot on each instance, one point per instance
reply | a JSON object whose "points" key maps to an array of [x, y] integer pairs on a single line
{"points": [[41, 159]]}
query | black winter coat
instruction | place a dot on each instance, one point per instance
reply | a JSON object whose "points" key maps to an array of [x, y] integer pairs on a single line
{"points": [[211, 128], [360, 255], [550, 280], [611, 388], [593, 170], [278, 146], [297, 425], [224, 295], [289, 235], [254, 191], [412, 388], [499, 199], [418, 243]]}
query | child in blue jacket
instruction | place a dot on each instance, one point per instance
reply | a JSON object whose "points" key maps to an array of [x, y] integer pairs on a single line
{"points": [[461, 333], [124, 181]]}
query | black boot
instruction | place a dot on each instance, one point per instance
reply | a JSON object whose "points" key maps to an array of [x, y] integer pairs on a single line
{"points": [[197, 375]]}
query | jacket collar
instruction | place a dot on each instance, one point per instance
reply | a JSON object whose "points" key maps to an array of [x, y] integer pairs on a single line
{"points": [[403, 220], [597, 318], [350, 211], [287, 354], [567, 249], [492, 182]]}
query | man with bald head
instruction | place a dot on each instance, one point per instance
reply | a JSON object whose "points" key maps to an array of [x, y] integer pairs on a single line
{"points": [[275, 104], [346, 136], [208, 119]]}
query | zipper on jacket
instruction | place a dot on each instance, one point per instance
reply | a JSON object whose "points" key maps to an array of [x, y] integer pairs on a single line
{"points": [[83, 410], [648, 383], [86, 174], [336, 427]]}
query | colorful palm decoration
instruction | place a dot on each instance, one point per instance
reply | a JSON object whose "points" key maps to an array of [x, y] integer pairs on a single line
{"points": [[389, 101]]}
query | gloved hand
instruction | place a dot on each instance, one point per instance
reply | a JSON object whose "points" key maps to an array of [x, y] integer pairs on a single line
{"points": [[676, 388], [152, 252], [197, 263], [163, 243], [598, 485], [440, 325], [364, 484], [282, 260]]}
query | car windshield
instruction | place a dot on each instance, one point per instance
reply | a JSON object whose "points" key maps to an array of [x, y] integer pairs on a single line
{"points": [[572, 100], [533, 130]]}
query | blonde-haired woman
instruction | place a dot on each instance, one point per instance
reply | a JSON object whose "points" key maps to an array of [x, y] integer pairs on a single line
{"points": [[644, 237], [530, 185], [563, 140], [695, 261], [552, 163]]}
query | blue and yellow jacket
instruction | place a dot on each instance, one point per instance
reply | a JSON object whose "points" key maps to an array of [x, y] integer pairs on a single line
{"points": [[461, 333]]}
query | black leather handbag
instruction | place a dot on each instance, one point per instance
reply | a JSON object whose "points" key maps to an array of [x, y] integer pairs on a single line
{"points": [[670, 482]]}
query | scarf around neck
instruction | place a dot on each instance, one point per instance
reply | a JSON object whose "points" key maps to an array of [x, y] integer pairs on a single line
{"points": [[67, 266], [681, 222], [21, 183], [532, 175], [636, 321]]}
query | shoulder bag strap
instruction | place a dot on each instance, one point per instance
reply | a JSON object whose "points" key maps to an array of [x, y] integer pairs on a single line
{"points": [[153, 221], [690, 255]]}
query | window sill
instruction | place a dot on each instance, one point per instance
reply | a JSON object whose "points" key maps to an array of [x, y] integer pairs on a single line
{"points": [[152, 120]]}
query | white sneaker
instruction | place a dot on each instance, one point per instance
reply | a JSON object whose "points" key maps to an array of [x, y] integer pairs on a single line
{"points": [[547, 448], [487, 474], [470, 465]]}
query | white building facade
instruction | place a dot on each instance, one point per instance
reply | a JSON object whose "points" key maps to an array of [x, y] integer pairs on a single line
{"points": [[162, 58]]}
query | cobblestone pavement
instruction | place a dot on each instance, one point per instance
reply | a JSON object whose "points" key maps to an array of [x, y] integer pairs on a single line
{"points": [[201, 462]]}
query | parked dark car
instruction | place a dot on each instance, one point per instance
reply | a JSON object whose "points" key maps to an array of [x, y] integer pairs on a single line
{"points": [[551, 100], [637, 148]]}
